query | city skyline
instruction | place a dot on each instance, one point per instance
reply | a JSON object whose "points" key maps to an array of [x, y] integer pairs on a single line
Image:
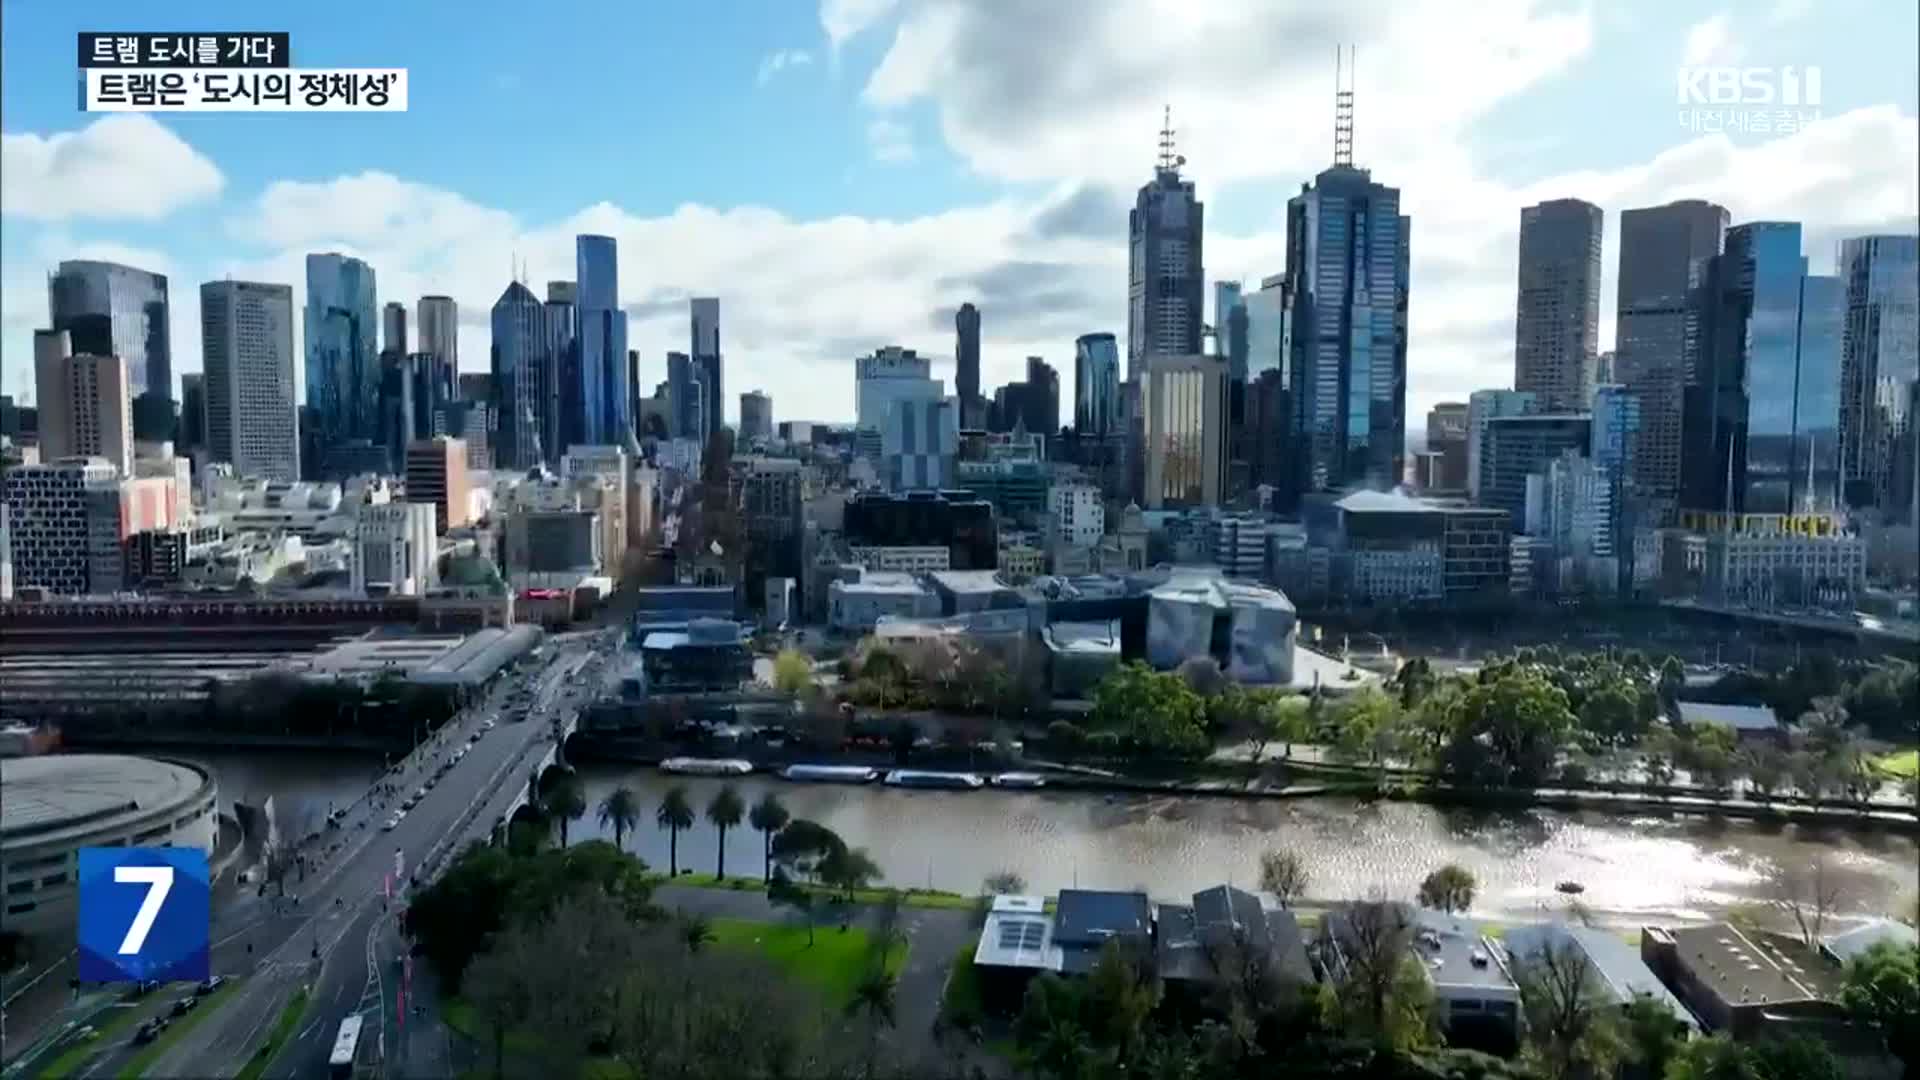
{"points": [[812, 277]]}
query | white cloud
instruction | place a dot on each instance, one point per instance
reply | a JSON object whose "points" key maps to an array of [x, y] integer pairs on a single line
{"points": [[890, 140], [125, 167], [780, 60], [842, 19], [1710, 42]]}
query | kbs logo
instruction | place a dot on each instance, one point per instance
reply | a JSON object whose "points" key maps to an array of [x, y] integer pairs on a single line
{"points": [[144, 914], [1787, 87]]}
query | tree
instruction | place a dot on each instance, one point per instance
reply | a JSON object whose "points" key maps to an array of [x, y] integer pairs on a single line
{"points": [[768, 816], [1508, 729], [1449, 889], [1651, 1035], [1377, 982], [1004, 883], [1154, 712], [1571, 1023], [1612, 714], [802, 846], [500, 993], [1766, 767], [1290, 723], [565, 802], [621, 811], [783, 892], [1284, 874], [848, 869], [1371, 728], [792, 672], [1809, 893], [873, 997], [1790, 1058], [1882, 990], [675, 813], [1202, 675], [725, 811]]}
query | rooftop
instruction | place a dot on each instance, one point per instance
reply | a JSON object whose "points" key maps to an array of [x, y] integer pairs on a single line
{"points": [[882, 582], [1018, 933], [969, 581], [53, 793], [1221, 916], [1089, 638], [1456, 954], [1617, 963], [1738, 717], [1208, 586], [1753, 967], [1086, 919], [1848, 944]]}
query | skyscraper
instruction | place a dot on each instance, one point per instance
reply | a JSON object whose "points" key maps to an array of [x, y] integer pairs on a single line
{"points": [[704, 322], [564, 409], [1269, 311], [85, 410], [112, 310], [1483, 407], [393, 328], [1658, 247], [1347, 248], [1165, 281], [246, 353], [1762, 426], [1879, 362], [523, 379], [756, 415], [687, 400], [1096, 385], [602, 342], [1186, 430], [966, 365], [193, 413], [1042, 400], [343, 376], [1228, 313], [438, 328], [1557, 324]]}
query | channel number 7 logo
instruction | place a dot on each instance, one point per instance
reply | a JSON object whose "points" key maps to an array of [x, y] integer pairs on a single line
{"points": [[144, 915]]}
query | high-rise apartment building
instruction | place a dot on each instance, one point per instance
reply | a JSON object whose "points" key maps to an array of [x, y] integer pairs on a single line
{"points": [[756, 415], [1096, 385], [704, 322], [1166, 284], [1762, 414], [1347, 265], [966, 366], [393, 328], [112, 310], [601, 339], [437, 474], [1186, 431], [1557, 324], [1879, 363], [246, 353], [437, 326], [83, 400], [1659, 247], [343, 371]]}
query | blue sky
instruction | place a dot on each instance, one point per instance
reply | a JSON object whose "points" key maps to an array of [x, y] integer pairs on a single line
{"points": [[842, 175]]}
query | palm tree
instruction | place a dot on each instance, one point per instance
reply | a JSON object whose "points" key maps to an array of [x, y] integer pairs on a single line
{"points": [[675, 813], [565, 803], [725, 811], [621, 810], [768, 816], [874, 996]]}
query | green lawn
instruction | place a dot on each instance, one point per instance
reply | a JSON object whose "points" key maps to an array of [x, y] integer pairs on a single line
{"points": [[283, 1027], [144, 1060], [79, 1053], [833, 962], [1902, 765], [461, 1016], [920, 898], [961, 1003]]}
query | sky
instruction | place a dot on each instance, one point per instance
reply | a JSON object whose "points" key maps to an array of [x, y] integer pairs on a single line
{"points": [[844, 175]]}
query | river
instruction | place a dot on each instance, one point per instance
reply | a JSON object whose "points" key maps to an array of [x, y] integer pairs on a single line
{"points": [[1632, 867]]}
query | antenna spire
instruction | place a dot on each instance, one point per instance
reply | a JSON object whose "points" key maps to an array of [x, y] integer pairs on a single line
{"points": [[1169, 161], [1343, 106]]}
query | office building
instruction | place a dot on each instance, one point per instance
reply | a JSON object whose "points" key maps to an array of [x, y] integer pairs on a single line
{"points": [[1557, 325], [343, 373], [112, 310], [1230, 327], [890, 374], [246, 353], [1042, 399], [601, 341], [1659, 247], [756, 416], [1447, 425], [1269, 331], [437, 474], [438, 329], [966, 367], [1347, 251], [64, 525], [1384, 548], [1572, 506], [704, 327], [1262, 438], [1096, 385], [395, 549], [1165, 281], [1762, 415], [84, 406], [956, 522], [1079, 514], [1185, 430], [193, 414], [688, 400], [1516, 447], [416, 400], [1016, 485], [1482, 407], [393, 328], [919, 443], [1879, 363], [769, 503], [566, 410], [525, 379]]}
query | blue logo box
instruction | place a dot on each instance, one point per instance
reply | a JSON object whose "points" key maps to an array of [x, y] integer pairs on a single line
{"points": [[144, 914]]}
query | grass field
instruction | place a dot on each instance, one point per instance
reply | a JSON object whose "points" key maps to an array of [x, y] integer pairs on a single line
{"points": [[283, 1027], [1902, 765], [920, 898], [834, 962], [77, 1054], [142, 1061]]}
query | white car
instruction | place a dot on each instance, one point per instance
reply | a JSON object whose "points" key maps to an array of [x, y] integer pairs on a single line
{"points": [[488, 726], [391, 823]]}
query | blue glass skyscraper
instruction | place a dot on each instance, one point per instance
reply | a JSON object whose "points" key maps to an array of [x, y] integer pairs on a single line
{"points": [[1880, 361], [112, 310], [1096, 385], [602, 341], [521, 379], [343, 372]]}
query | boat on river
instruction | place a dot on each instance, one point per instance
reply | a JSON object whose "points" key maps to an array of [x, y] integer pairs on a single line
{"points": [[1019, 780], [693, 766], [920, 778], [831, 774]]}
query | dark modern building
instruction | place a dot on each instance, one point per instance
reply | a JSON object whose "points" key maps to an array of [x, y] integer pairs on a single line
{"points": [[687, 399], [1659, 248], [112, 310], [1516, 447], [1762, 413], [1096, 385], [1166, 288], [416, 392], [193, 413], [1557, 324], [957, 520], [242, 407], [966, 366], [704, 319], [601, 339], [564, 410], [393, 328], [1447, 437], [1879, 363], [1261, 439], [1042, 414], [756, 415], [524, 381], [343, 372], [1347, 264]]}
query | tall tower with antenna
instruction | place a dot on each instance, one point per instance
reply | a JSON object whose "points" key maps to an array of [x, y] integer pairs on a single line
{"points": [[1343, 106], [1165, 289], [1170, 161]]}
